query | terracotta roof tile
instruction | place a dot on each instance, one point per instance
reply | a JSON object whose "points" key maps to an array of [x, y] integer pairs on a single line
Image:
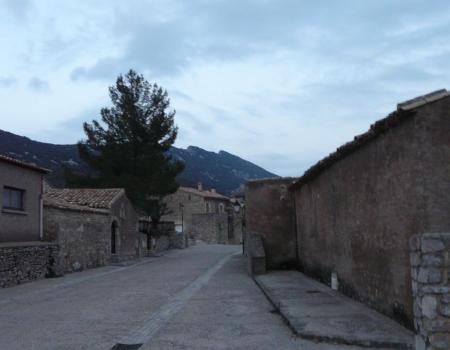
{"points": [[99, 198], [205, 194]]}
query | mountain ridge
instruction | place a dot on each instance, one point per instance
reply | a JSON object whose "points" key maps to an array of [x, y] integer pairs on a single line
{"points": [[224, 171]]}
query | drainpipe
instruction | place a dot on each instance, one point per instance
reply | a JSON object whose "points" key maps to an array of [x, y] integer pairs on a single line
{"points": [[41, 211]]}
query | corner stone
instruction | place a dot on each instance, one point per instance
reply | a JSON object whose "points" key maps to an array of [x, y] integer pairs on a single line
{"points": [[429, 275], [429, 305], [432, 245], [440, 341]]}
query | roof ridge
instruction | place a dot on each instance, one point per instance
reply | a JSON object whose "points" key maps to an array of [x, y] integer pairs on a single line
{"points": [[404, 111], [23, 164]]}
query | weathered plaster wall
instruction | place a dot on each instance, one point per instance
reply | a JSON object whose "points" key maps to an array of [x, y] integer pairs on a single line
{"points": [[356, 216], [84, 237], [269, 212], [21, 226], [24, 262], [430, 267]]}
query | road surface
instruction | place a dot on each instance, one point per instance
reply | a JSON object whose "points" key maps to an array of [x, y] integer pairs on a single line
{"points": [[197, 298]]}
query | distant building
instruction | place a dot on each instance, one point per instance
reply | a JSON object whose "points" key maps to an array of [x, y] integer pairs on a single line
{"points": [[188, 201], [92, 227], [21, 213], [203, 214]]}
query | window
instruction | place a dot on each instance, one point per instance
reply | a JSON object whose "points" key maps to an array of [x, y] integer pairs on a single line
{"points": [[13, 198], [221, 208], [208, 208]]}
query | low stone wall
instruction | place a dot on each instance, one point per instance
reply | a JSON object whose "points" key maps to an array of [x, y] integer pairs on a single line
{"points": [[256, 256], [24, 262], [178, 240], [430, 267]]}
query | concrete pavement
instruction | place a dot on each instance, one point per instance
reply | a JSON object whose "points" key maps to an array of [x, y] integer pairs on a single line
{"points": [[198, 298], [317, 312]]}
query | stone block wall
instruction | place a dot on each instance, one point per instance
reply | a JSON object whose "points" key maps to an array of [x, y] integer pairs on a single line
{"points": [[178, 240], [270, 213], [24, 262], [430, 268], [84, 237], [211, 227]]}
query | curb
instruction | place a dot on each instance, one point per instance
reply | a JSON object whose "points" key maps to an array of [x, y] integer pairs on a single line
{"points": [[328, 339]]}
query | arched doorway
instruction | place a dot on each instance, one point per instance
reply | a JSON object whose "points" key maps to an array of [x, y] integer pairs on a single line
{"points": [[114, 227]]}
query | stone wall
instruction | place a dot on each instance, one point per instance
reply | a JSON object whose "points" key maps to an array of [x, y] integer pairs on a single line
{"points": [[24, 262], [430, 268], [357, 208], [122, 212], [192, 204], [84, 237], [211, 228], [269, 212]]}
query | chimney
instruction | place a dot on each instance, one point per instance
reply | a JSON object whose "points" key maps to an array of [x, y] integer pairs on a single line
{"points": [[200, 186], [213, 190]]}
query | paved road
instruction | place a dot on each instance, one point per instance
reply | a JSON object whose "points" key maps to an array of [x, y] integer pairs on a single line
{"points": [[198, 298]]}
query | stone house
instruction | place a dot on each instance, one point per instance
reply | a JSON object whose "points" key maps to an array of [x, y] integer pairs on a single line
{"points": [[202, 214], [92, 227], [23, 256], [188, 201]]}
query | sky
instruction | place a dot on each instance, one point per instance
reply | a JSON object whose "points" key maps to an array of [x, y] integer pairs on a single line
{"points": [[281, 83]]}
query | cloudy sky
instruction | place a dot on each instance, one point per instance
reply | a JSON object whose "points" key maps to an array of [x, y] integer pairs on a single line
{"points": [[281, 83]]}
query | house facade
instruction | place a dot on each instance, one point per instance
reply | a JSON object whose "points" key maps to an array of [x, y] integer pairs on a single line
{"points": [[92, 227], [23, 256], [21, 214], [188, 201], [205, 215]]}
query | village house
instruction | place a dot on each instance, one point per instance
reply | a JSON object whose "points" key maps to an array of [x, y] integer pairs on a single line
{"points": [[202, 214], [23, 255], [22, 186], [92, 227]]}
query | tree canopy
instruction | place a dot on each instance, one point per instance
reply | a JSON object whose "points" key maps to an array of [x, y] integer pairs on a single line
{"points": [[128, 146]]}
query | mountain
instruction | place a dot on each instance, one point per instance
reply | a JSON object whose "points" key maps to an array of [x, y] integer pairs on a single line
{"points": [[223, 171]]}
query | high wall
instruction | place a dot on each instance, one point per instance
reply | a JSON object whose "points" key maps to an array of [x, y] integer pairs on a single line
{"points": [[356, 210], [20, 226], [269, 212], [84, 237]]}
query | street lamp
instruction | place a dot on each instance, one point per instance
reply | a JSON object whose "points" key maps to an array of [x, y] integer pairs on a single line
{"points": [[182, 217]]}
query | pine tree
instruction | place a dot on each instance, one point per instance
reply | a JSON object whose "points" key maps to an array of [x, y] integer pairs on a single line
{"points": [[128, 148]]}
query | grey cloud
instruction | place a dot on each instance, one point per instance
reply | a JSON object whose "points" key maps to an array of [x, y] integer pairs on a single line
{"points": [[19, 8], [38, 85], [206, 31], [7, 81]]}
